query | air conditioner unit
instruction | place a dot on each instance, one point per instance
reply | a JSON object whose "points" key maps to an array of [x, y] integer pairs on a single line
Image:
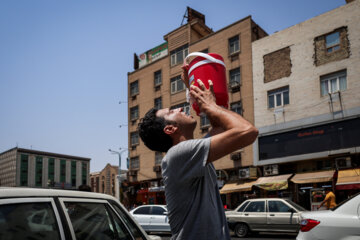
{"points": [[344, 162], [132, 173], [249, 172], [271, 170], [234, 84], [157, 169]]}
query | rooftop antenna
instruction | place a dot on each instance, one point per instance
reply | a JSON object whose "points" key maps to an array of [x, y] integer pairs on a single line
{"points": [[185, 16]]}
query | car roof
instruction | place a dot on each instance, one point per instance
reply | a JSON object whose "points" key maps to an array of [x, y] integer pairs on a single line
{"points": [[255, 199], [152, 205], [8, 192]]}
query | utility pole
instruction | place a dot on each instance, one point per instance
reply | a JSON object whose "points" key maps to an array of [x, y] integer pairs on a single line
{"points": [[119, 172]]}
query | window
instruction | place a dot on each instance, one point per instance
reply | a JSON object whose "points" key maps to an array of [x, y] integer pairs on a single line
{"points": [[158, 211], [333, 82], [134, 163], [241, 209], [258, 206], [24, 170], [143, 210], [134, 113], [51, 171], [96, 221], [131, 225], [278, 97], [177, 84], [158, 103], [84, 173], [73, 173], [332, 42], [157, 78], [134, 88], [177, 56], [236, 107], [331, 46], [28, 221], [204, 121], [235, 77], [158, 158], [234, 45], [185, 106], [38, 171], [62, 170], [134, 138], [277, 206]]}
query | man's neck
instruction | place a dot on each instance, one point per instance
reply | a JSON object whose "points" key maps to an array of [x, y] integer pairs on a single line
{"points": [[182, 138]]}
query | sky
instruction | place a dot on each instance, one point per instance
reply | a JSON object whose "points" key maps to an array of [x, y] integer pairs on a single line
{"points": [[64, 64]]}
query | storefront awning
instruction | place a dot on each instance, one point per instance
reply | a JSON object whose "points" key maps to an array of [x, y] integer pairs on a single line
{"points": [[279, 182], [348, 179], [236, 187], [313, 177]]}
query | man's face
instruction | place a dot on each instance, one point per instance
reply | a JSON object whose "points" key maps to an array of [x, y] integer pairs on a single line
{"points": [[178, 116]]}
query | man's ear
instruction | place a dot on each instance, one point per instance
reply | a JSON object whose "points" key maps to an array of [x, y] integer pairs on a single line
{"points": [[170, 129]]}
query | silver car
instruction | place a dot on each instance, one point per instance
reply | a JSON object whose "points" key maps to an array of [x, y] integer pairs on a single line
{"points": [[27, 213], [265, 215]]}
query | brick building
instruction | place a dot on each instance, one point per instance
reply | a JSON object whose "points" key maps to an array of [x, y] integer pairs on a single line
{"points": [[156, 82], [21, 167], [106, 181], [307, 104]]}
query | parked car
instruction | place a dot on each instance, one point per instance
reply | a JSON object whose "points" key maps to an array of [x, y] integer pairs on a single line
{"points": [[152, 218], [264, 215], [27, 213], [341, 222]]}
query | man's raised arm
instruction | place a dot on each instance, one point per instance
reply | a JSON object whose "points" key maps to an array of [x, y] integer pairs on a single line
{"points": [[237, 132]]}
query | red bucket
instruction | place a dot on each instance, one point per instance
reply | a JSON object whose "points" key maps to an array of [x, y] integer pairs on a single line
{"points": [[209, 67]]}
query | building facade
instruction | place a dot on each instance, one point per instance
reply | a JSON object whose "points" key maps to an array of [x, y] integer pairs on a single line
{"points": [[21, 167], [156, 82], [307, 103], [105, 180]]}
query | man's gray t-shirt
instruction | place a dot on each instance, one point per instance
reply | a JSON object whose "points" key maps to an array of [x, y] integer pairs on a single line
{"points": [[194, 205]]}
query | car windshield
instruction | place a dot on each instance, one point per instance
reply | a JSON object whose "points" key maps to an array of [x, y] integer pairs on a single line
{"points": [[343, 202], [297, 207]]}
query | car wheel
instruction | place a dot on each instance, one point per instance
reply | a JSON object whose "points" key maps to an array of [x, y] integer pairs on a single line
{"points": [[241, 230]]}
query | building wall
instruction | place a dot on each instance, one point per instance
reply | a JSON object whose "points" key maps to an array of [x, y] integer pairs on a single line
{"points": [[107, 180], [8, 169], [304, 81], [307, 106], [218, 43]]}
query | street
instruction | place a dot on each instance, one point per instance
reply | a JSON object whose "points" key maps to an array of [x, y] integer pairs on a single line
{"points": [[260, 236]]}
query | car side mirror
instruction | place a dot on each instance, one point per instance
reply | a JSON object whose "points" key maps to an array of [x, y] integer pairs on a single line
{"points": [[292, 210], [165, 213]]}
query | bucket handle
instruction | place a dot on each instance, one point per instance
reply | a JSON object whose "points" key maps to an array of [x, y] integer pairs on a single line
{"points": [[209, 59]]}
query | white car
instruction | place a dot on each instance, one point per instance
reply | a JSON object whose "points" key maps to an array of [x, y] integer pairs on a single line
{"points": [[339, 223], [29, 213], [152, 218]]}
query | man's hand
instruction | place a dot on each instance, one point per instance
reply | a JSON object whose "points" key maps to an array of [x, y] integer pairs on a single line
{"points": [[205, 98]]}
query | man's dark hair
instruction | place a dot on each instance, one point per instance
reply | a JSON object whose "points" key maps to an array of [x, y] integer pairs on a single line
{"points": [[151, 131]]}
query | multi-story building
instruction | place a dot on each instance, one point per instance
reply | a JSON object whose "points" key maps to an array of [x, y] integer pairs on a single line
{"points": [[21, 167], [105, 180], [156, 82], [307, 103]]}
